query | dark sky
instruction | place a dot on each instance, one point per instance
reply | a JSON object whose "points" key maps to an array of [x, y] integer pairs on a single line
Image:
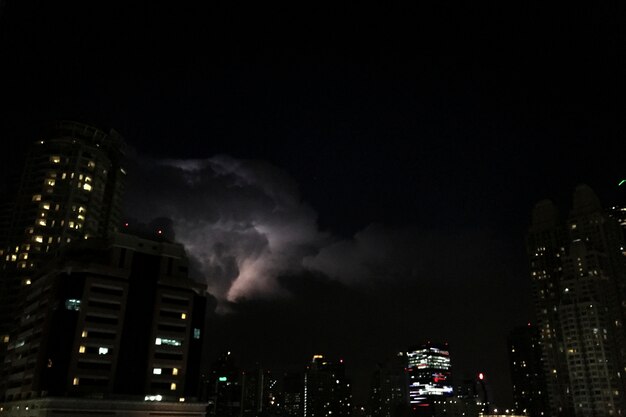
{"points": [[404, 147]]}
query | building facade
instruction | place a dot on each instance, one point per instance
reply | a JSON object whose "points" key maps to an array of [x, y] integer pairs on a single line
{"points": [[578, 280], [113, 318], [70, 188], [429, 376], [327, 391], [529, 386]]}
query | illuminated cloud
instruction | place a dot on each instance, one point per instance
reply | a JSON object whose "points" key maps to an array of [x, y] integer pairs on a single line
{"points": [[244, 226], [242, 222]]}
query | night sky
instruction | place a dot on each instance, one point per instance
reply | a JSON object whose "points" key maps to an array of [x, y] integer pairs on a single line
{"points": [[349, 179]]}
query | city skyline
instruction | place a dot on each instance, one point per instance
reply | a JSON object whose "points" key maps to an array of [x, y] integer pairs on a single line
{"points": [[348, 181]]}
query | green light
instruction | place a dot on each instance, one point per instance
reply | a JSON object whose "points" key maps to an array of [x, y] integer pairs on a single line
{"points": [[621, 182], [222, 379]]}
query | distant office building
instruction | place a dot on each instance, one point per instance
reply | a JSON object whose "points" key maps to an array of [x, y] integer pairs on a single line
{"points": [[529, 385], [327, 392], [111, 319], [388, 395], [578, 281], [225, 389], [293, 395], [429, 376], [70, 188], [258, 393]]}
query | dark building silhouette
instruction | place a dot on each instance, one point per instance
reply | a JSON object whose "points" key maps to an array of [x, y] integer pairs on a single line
{"points": [[529, 386], [70, 188], [225, 390], [292, 394], [388, 395], [578, 282], [113, 318], [327, 391]]}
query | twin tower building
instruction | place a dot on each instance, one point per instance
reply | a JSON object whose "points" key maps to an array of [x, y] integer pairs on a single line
{"points": [[93, 319], [578, 274]]}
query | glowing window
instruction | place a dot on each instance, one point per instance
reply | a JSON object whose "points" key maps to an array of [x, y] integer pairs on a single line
{"points": [[55, 159], [196, 333], [157, 371], [183, 316], [72, 304], [41, 222], [6, 339], [173, 386], [91, 164], [76, 381], [50, 182], [37, 197], [81, 349], [174, 371], [27, 281], [45, 206], [38, 239], [87, 187], [103, 351], [84, 333]]}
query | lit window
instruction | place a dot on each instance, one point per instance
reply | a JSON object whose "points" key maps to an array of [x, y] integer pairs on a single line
{"points": [[157, 371], [173, 386], [71, 225], [87, 187], [91, 164], [38, 239], [6, 338], [50, 182], [103, 351], [55, 159], [168, 342], [81, 349], [13, 258], [174, 371], [181, 399], [157, 341], [76, 381], [45, 206], [196, 333], [27, 281], [84, 333], [183, 316], [41, 222], [64, 175], [87, 179], [72, 304], [37, 197]]}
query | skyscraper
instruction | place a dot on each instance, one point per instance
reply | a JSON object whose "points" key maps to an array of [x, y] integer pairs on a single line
{"points": [[429, 376], [70, 188], [578, 278], [326, 390], [529, 387]]}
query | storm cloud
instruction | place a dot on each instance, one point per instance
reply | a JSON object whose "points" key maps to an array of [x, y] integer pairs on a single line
{"points": [[245, 226]]}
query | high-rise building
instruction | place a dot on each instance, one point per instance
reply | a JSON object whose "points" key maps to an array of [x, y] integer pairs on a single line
{"points": [[70, 188], [292, 394], [327, 391], [529, 386], [429, 376], [578, 282], [388, 395], [225, 393], [112, 318]]}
